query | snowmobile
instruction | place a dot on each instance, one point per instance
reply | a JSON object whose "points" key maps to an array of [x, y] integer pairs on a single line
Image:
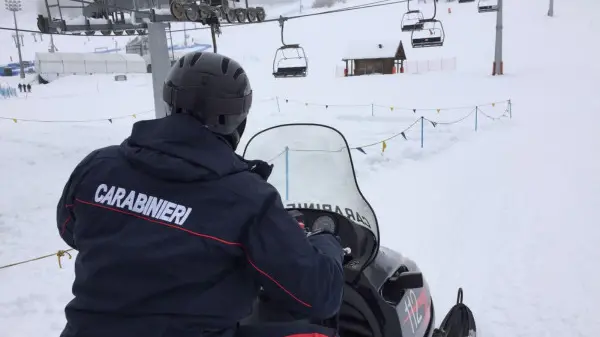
{"points": [[385, 293]]}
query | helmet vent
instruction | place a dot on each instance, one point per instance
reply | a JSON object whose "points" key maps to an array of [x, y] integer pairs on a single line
{"points": [[237, 73], [181, 62], [224, 65], [195, 58]]}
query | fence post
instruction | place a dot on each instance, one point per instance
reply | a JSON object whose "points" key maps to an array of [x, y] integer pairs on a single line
{"points": [[422, 126], [372, 109], [287, 173], [509, 109], [278, 107], [476, 113]]}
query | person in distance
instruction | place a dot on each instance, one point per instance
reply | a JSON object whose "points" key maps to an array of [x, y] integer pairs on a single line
{"points": [[178, 235]]}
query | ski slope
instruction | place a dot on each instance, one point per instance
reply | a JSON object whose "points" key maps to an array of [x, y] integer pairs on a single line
{"points": [[507, 212]]}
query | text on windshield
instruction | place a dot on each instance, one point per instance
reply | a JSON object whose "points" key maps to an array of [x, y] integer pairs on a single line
{"points": [[347, 212]]}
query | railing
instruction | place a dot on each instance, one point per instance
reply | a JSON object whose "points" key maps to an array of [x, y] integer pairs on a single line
{"points": [[426, 66], [71, 67]]}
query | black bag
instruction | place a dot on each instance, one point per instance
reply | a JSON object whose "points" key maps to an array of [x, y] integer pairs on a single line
{"points": [[459, 322]]}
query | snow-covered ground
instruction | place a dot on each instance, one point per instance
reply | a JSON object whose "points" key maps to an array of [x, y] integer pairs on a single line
{"points": [[507, 211]]}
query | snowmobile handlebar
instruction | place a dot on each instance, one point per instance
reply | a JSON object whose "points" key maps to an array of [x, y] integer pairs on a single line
{"points": [[323, 224]]}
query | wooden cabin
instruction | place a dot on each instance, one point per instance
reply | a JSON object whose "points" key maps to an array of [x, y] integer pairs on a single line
{"points": [[372, 57]]}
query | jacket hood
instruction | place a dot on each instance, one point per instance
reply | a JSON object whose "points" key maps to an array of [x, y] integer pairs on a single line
{"points": [[180, 148]]}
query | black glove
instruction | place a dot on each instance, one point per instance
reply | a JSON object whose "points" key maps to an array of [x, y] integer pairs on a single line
{"points": [[346, 252], [262, 168], [322, 231], [299, 217]]}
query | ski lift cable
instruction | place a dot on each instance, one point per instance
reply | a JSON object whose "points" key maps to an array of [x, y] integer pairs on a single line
{"points": [[379, 3]]}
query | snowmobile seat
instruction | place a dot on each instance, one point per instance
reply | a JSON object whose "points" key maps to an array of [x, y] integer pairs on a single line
{"points": [[356, 317]]}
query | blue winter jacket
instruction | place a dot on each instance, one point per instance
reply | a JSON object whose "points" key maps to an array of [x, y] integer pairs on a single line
{"points": [[175, 236]]}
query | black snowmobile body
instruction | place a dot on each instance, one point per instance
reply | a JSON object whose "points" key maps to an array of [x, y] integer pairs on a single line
{"points": [[413, 314], [385, 294]]}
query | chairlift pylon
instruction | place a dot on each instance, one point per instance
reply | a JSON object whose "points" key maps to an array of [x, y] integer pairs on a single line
{"points": [[432, 34], [282, 67], [487, 6]]}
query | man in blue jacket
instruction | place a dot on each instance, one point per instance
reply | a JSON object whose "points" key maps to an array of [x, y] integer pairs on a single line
{"points": [[177, 234]]}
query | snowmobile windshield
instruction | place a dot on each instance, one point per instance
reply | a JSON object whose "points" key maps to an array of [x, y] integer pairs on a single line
{"points": [[313, 170]]}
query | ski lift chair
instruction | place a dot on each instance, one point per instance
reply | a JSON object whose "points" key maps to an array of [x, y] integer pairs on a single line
{"points": [[281, 68], [431, 35], [486, 6], [411, 20]]}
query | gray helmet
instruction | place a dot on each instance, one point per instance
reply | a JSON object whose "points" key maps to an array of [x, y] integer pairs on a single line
{"points": [[213, 88]]}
